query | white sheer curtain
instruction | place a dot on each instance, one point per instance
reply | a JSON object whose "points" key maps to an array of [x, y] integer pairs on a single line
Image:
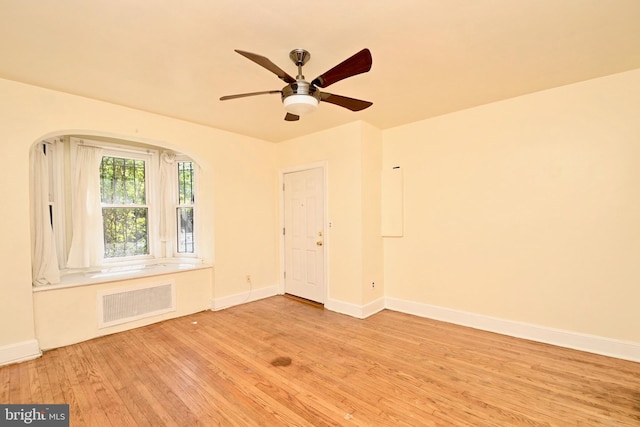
{"points": [[168, 197], [87, 243], [44, 259]]}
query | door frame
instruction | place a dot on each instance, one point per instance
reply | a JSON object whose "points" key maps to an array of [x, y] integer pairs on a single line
{"points": [[325, 248]]}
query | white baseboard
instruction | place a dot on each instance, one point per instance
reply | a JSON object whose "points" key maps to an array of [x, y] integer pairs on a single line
{"points": [[19, 352], [373, 307], [342, 307], [244, 297], [354, 310], [563, 338]]}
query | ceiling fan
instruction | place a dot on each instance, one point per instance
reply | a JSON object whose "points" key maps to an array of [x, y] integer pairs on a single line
{"points": [[301, 97]]}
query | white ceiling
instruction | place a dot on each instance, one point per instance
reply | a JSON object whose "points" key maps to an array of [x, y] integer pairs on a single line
{"points": [[430, 57]]}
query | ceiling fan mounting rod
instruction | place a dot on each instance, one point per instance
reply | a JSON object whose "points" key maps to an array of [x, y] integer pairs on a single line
{"points": [[299, 57]]}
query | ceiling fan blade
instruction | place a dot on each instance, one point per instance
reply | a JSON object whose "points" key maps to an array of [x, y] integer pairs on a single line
{"points": [[242, 95], [291, 117], [357, 64], [266, 63], [343, 101]]}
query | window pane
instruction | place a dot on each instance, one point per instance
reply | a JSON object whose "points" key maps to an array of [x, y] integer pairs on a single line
{"points": [[185, 183], [106, 179], [122, 181], [185, 230], [125, 232]]}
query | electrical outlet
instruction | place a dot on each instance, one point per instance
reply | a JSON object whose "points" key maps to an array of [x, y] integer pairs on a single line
{"points": [[248, 278], [373, 285]]}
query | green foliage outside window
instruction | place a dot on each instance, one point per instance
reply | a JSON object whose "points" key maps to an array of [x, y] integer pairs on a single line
{"points": [[122, 187], [122, 181], [184, 212]]}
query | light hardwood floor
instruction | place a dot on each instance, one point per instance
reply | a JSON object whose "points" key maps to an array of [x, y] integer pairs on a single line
{"points": [[389, 369]]}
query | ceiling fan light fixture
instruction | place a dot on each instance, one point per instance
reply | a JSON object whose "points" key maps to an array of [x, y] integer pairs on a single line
{"points": [[300, 105]]}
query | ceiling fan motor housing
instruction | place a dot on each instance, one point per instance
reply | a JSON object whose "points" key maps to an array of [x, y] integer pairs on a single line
{"points": [[300, 87]]}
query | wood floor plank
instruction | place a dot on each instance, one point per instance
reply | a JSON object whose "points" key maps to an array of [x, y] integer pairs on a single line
{"points": [[15, 396], [218, 368], [255, 376], [273, 342], [89, 406], [165, 384]]}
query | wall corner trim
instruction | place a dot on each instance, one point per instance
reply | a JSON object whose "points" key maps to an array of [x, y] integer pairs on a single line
{"points": [[578, 341], [19, 352]]}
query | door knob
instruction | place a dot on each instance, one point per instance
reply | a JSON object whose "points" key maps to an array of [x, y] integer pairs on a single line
{"points": [[319, 243]]}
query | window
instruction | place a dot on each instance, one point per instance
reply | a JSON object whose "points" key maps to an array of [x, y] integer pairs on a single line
{"points": [[184, 211], [146, 203], [125, 212]]}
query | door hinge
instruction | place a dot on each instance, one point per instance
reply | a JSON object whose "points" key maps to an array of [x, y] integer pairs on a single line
{"points": [[283, 232], [285, 274], [283, 186]]}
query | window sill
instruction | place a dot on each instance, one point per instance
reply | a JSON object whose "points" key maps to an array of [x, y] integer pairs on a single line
{"points": [[115, 274]]}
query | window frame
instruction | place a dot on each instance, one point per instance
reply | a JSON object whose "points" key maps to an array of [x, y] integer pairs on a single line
{"points": [[196, 217], [150, 157]]}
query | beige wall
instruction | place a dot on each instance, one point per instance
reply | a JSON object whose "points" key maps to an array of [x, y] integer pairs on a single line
{"points": [[67, 316], [526, 209], [237, 182], [340, 148], [372, 244], [353, 154]]}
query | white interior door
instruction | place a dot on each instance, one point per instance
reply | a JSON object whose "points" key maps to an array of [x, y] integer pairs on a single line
{"points": [[304, 234]]}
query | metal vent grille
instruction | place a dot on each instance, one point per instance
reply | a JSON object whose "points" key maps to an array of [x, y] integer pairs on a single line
{"points": [[126, 305]]}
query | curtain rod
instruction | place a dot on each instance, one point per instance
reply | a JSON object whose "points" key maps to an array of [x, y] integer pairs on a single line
{"points": [[114, 146]]}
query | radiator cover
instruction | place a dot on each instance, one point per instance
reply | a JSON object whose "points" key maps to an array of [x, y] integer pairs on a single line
{"points": [[124, 305]]}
